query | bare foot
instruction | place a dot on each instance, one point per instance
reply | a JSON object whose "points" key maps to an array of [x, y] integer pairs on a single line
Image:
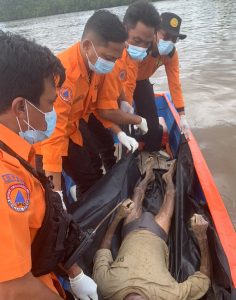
{"points": [[168, 176]]}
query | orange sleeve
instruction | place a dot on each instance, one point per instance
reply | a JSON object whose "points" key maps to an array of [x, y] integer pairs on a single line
{"points": [[172, 72], [110, 91], [54, 147], [15, 241], [108, 94], [15, 236], [130, 83]]}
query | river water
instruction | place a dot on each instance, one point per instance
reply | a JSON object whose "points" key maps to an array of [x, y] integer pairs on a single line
{"points": [[208, 74]]}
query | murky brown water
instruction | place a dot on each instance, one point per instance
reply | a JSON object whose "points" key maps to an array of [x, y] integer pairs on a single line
{"points": [[208, 72]]}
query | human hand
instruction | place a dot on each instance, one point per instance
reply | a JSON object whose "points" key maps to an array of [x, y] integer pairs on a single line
{"points": [[184, 127], [143, 125], [199, 226], [129, 142], [125, 209], [126, 107], [83, 287]]}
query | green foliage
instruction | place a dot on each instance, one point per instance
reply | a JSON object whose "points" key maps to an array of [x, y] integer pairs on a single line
{"points": [[23, 9]]}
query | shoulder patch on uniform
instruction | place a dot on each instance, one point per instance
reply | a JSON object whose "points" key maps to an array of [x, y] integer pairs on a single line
{"points": [[122, 75], [18, 197], [65, 94], [10, 178]]}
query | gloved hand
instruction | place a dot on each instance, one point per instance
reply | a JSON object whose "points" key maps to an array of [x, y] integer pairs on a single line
{"points": [[126, 107], [143, 126], [129, 142], [83, 287], [62, 200], [184, 127]]}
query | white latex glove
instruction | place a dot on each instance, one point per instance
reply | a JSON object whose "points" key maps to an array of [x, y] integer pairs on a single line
{"points": [[143, 126], [126, 107], [184, 127], [83, 287], [129, 142], [62, 200]]}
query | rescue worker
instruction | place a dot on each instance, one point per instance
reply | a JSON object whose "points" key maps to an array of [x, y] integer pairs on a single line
{"points": [[162, 53], [86, 63], [27, 93], [141, 21]]}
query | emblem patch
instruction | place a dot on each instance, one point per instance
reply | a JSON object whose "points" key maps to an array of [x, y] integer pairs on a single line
{"points": [[66, 94], [18, 197], [174, 22], [122, 75], [9, 178]]}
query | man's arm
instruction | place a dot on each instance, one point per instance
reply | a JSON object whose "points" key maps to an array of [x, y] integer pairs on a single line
{"points": [[119, 117], [205, 256], [26, 287], [172, 72], [56, 178], [123, 211], [197, 285], [173, 77], [199, 226], [82, 286], [103, 257], [52, 148]]}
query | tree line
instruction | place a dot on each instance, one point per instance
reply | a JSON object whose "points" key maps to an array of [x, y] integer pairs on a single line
{"points": [[23, 9]]}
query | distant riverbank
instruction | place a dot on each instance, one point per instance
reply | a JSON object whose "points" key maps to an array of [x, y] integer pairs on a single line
{"points": [[24, 9]]}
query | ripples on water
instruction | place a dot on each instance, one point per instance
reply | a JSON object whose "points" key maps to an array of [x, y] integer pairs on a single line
{"points": [[208, 72]]}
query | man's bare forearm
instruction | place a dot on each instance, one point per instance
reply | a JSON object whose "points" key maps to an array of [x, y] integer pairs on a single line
{"points": [[56, 179], [119, 117], [26, 287], [73, 271], [205, 255], [107, 240], [116, 129]]}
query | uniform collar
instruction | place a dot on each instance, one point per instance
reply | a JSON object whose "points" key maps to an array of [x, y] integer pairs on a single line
{"points": [[16, 143]]}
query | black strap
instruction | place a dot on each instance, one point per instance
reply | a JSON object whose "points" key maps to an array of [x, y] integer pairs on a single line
{"points": [[37, 174]]}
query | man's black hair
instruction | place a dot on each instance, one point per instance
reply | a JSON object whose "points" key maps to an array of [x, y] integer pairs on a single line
{"points": [[106, 26], [23, 67], [142, 11]]}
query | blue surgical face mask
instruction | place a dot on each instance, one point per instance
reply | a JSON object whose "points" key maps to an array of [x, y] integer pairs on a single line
{"points": [[32, 135], [101, 66], [165, 47], [137, 53]]}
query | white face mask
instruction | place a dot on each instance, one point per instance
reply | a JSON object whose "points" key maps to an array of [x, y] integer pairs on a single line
{"points": [[165, 47], [101, 66], [33, 135], [137, 53]]}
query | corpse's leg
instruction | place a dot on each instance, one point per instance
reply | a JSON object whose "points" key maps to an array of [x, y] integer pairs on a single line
{"points": [[163, 218], [139, 192]]}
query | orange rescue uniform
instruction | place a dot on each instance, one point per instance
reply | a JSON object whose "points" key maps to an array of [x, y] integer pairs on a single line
{"points": [[22, 209], [122, 78], [76, 100], [149, 66]]}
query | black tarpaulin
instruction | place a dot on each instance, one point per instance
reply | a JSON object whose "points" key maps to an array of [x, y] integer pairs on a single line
{"points": [[114, 187]]}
